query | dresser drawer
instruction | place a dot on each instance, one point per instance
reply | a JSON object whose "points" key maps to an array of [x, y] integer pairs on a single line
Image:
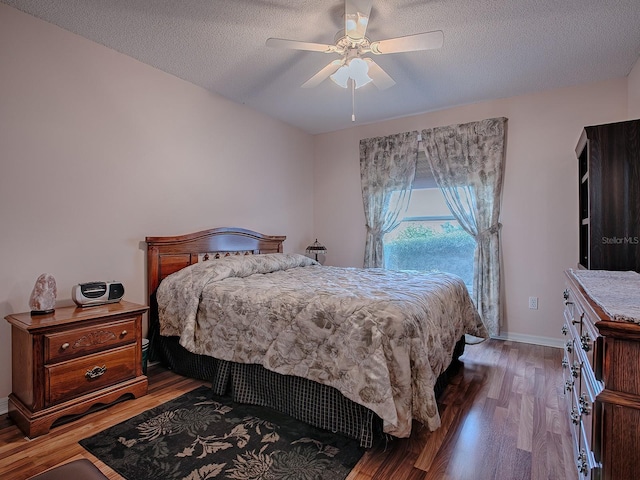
{"points": [[587, 347], [76, 377], [574, 419], [570, 328], [586, 470], [586, 463], [586, 397], [570, 367], [86, 340]]}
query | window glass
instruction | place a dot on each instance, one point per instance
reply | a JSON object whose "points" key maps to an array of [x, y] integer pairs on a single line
{"points": [[430, 239]]}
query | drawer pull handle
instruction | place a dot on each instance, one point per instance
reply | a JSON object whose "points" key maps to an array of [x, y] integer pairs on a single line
{"points": [[579, 321], [567, 303], [96, 372], [581, 462], [575, 416], [586, 342], [568, 386], [65, 346], [585, 407], [575, 369], [124, 333], [569, 346]]}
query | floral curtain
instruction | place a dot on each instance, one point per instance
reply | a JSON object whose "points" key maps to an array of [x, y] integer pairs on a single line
{"points": [[467, 162], [387, 165]]}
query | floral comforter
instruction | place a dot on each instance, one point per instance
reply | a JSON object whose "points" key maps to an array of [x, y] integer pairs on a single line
{"points": [[380, 337]]}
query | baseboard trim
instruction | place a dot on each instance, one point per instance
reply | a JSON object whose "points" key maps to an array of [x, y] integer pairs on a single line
{"points": [[4, 406], [544, 341]]}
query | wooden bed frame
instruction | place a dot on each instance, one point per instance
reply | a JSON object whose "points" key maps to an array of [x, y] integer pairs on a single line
{"points": [[166, 255]]}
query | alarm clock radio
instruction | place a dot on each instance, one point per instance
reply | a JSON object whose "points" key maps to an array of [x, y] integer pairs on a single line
{"points": [[97, 293]]}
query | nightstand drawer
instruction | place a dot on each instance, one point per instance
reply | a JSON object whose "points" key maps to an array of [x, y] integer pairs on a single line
{"points": [[83, 341], [73, 378]]}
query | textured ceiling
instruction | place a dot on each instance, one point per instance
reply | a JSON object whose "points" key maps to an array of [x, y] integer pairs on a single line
{"points": [[492, 49]]}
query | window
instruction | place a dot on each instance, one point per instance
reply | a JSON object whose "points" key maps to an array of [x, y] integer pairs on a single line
{"points": [[429, 238]]}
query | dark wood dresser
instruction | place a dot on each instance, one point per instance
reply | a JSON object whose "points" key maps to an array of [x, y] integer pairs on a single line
{"points": [[75, 359], [601, 368]]}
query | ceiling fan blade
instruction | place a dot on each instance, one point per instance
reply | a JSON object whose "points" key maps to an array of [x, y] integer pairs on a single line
{"points": [[356, 18], [410, 43], [322, 74], [296, 45], [381, 79]]}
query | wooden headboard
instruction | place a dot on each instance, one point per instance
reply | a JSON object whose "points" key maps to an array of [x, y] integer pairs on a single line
{"points": [[166, 255]]}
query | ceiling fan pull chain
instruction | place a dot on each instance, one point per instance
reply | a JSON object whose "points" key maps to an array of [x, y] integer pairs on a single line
{"points": [[353, 100]]}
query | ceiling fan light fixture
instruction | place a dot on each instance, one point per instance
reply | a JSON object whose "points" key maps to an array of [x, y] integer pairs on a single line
{"points": [[356, 69], [356, 26], [341, 76], [359, 72]]}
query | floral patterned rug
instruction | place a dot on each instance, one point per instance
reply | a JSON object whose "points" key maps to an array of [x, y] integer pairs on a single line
{"points": [[202, 436]]}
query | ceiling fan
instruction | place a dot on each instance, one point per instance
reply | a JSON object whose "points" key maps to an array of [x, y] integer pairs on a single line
{"points": [[353, 45]]}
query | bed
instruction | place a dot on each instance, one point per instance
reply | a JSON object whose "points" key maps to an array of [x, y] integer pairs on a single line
{"points": [[349, 350]]}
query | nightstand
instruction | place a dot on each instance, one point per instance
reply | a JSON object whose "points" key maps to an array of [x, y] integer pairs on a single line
{"points": [[72, 361]]}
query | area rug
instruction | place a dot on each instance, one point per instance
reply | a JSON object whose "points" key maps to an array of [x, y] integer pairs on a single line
{"points": [[202, 436]]}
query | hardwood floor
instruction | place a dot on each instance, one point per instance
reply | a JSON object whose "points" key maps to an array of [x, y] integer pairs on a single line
{"points": [[503, 418]]}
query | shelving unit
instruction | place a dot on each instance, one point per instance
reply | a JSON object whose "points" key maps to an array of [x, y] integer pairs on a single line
{"points": [[609, 196]]}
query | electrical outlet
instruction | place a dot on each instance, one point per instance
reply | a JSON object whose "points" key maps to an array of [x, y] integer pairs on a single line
{"points": [[533, 303]]}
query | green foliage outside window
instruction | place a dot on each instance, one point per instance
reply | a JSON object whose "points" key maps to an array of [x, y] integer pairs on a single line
{"points": [[420, 247]]}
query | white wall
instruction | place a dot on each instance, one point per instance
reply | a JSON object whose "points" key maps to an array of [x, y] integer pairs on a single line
{"points": [[633, 88], [98, 151], [539, 209]]}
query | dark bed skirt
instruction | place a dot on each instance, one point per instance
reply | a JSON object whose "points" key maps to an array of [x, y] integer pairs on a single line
{"points": [[319, 405]]}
